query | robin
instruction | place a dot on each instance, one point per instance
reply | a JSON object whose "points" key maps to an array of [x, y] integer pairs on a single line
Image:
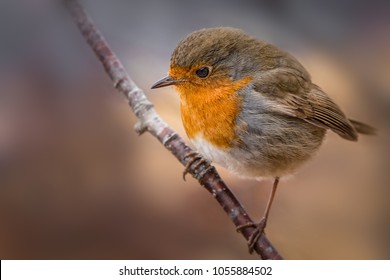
{"points": [[251, 107]]}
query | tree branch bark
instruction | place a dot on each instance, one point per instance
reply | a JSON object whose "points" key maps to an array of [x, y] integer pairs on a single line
{"points": [[151, 122]]}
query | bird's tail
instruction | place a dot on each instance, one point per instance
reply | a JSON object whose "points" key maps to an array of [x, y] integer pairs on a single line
{"points": [[363, 128]]}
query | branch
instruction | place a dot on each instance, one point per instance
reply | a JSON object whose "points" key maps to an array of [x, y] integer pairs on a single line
{"points": [[150, 121]]}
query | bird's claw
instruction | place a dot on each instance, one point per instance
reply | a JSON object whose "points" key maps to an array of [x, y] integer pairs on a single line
{"points": [[256, 234], [195, 157]]}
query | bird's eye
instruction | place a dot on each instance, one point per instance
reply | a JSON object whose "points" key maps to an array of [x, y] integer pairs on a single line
{"points": [[203, 72]]}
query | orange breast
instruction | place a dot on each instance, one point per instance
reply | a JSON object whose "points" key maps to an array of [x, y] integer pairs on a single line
{"points": [[210, 111]]}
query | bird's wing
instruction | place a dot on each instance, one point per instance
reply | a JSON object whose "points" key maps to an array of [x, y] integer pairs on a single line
{"points": [[294, 95]]}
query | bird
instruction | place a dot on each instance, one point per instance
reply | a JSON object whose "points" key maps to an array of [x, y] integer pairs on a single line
{"points": [[251, 107]]}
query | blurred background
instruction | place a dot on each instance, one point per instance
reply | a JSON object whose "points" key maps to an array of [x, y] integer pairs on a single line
{"points": [[76, 182]]}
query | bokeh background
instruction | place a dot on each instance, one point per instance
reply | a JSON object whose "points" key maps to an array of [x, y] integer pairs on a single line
{"points": [[77, 182]]}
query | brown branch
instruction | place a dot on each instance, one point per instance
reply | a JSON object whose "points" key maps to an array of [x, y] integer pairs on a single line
{"points": [[151, 122]]}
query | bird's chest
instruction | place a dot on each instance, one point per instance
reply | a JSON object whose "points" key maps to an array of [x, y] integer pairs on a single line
{"points": [[211, 120]]}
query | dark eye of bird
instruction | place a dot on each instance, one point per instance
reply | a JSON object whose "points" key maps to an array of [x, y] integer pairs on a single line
{"points": [[202, 72]]}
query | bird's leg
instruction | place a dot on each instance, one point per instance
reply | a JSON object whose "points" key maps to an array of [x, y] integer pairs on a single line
{"points": [[259, 227], [194, 157]]}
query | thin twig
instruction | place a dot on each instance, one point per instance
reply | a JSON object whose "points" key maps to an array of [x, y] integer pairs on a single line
{"points": [[150, 121]]}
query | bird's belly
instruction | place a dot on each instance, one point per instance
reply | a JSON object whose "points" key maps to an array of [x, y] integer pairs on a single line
{"points": [[237, 161], [214, 153], [259, 157]]}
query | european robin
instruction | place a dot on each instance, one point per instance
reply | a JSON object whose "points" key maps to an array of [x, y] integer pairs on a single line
{"points": [[251, 107]]}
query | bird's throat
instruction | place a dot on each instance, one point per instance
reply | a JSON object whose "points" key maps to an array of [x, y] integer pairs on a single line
{"points": [[211, 112]]}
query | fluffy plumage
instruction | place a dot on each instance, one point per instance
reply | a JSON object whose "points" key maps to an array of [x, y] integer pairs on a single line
{"points": [[257, 113]]}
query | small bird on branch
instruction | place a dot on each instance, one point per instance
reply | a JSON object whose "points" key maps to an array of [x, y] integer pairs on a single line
{"points": [[251, 107]]}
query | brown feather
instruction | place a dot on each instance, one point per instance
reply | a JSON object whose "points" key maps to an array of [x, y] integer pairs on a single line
{"points": [[363, 128], [300, 98]]}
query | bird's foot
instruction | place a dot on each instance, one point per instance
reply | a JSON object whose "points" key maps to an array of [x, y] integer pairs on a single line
{"points": [[256, 234], [195, 160]]}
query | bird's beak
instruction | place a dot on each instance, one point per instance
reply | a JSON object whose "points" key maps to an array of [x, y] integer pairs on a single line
{"points": [[166, 81]]}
